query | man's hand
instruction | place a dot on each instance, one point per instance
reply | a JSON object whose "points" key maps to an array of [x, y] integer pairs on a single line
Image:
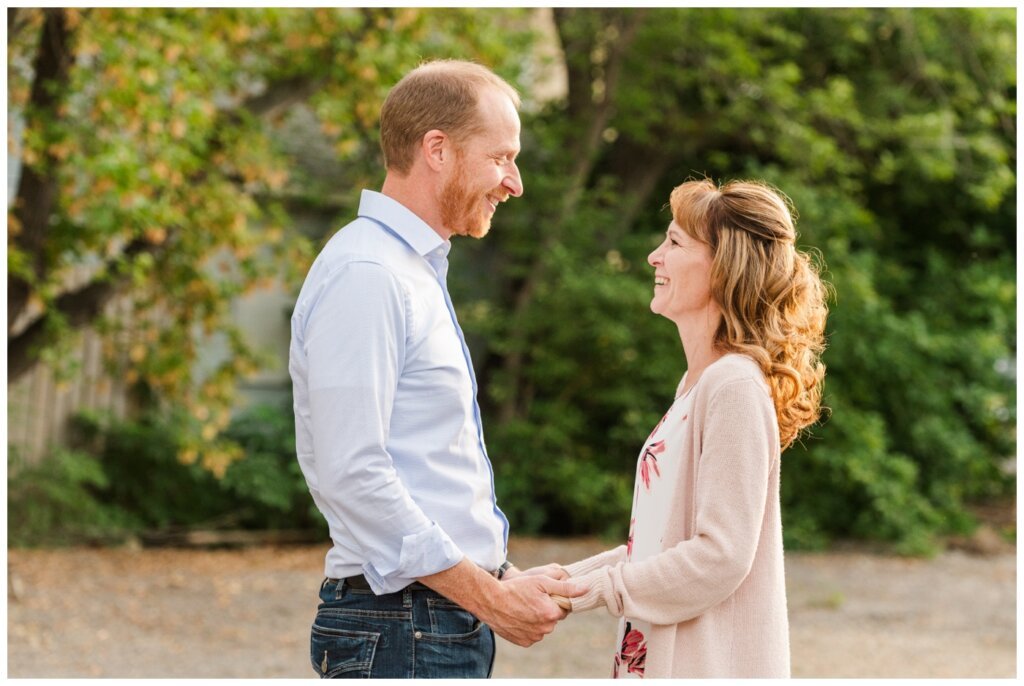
{"points": [[520, 610], [524, 612]]}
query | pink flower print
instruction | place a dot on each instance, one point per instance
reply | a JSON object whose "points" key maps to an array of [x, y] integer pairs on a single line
{"points": [[649, 461], [632, 653], [629, 540], [657, 426]]}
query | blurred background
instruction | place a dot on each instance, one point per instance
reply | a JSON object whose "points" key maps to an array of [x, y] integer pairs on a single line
{"points": [[173, 172]]}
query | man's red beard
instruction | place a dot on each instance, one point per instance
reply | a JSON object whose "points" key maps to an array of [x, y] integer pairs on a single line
{"points": [[462, 212]]}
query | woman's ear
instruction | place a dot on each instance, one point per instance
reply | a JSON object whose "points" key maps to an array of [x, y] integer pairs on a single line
{"points": [[435, 149]]}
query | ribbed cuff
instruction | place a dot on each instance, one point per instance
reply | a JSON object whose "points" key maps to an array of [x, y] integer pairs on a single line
{"points": [[587, 565], [599, 584]]}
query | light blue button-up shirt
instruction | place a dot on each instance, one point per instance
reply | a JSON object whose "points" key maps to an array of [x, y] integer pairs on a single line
{"points": [[387, 426]]}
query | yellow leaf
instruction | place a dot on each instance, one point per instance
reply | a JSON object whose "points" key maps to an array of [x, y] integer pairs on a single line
{"points": [[156, 235], [148, 76], [160, 169], [137, 353]]}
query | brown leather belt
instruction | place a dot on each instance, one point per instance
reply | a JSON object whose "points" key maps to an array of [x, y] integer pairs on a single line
{"points": [[360, 583]]}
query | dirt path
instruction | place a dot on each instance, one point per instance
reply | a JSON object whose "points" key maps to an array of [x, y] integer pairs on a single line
{"points": [[173, 613]]}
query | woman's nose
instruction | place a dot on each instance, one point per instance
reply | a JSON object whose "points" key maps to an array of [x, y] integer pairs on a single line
{"points": [[654, 259]]}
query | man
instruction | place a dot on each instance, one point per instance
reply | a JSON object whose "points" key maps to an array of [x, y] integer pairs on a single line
{"points": [[387, 424]]}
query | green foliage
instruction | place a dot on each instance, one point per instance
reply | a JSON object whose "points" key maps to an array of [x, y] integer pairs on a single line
{"points": [[149, 476], [165, 153], [129, 477], [268, 481], [55, 502], [144, 476], [892, 131]]}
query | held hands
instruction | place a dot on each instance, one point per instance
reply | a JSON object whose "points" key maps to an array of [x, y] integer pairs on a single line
{"points": [[553, 570], [525, 610]]}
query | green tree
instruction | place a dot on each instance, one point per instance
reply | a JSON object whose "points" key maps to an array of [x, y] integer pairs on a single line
{"points": [[152, 161], [155, 146], [892, 130]]}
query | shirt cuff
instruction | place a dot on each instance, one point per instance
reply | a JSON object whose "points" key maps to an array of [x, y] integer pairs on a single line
{"points": [[428, 552]]}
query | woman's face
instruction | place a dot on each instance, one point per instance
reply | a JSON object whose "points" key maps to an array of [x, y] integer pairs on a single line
{"points": [[682, 276]]}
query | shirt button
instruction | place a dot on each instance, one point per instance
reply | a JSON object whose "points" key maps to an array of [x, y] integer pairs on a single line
{"points": [[418, 634]]}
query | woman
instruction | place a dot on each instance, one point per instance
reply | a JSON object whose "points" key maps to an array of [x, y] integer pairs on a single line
{"points": [[700, 584]]}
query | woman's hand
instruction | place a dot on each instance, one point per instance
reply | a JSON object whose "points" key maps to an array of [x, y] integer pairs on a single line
{"points": [[553, 570]]}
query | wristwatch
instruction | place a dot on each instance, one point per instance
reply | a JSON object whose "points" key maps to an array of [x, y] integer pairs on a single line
{"points": [[505, 566]]}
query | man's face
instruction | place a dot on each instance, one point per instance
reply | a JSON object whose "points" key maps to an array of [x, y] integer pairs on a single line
{"points": [[485, 172]]}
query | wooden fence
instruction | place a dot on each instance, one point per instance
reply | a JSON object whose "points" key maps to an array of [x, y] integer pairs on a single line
{"points": [[39, 404]]}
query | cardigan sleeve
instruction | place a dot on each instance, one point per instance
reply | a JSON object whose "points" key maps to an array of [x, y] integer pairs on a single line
{"points": [[738, 446], [589, 564]]}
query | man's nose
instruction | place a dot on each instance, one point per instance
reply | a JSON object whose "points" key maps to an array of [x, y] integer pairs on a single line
{"points": [[513, 183]]}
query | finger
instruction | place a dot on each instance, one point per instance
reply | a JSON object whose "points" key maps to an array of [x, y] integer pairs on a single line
{"points": [[557, 572], [562, 602], [569, 589]]}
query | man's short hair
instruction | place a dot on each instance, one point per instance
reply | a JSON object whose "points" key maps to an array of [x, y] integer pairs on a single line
{"points": [[442, 95]]}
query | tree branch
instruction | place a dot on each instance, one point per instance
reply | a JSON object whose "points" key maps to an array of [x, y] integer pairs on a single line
{"points": [[283, 94], [78, 307]]}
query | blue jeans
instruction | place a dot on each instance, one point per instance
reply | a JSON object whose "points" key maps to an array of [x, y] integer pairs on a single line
{"points": [[407, 634]]}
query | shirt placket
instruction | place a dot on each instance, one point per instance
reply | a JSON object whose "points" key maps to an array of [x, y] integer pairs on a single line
{"points": [[438, 260]]}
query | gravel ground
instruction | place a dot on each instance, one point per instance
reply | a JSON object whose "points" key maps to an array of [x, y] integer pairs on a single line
{"points": [[246, 613]]}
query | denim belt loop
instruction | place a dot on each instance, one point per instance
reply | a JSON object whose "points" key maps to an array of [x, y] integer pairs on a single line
{"points": [[406, 597]]}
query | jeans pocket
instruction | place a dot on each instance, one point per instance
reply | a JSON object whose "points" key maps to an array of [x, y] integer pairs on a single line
{"points": [[458, 645], [339, 652], [450, 623]]}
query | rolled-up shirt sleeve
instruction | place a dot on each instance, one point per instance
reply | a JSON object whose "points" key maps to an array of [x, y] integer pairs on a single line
{"points": [[355, 333]]}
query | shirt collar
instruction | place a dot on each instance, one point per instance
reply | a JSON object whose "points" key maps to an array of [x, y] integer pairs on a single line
{"points": [[403, 222]]}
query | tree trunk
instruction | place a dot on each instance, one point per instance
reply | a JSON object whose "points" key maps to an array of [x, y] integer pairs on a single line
{"points": [[583, 151], [37, 188]]}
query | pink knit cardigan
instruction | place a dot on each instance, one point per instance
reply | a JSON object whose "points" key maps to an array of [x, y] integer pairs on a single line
{"points": [[716, 594]]}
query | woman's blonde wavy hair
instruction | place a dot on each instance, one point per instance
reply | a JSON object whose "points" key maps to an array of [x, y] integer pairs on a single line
{"points": [[772, 299]]}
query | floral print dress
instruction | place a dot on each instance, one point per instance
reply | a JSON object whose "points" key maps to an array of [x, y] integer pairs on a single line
{"points": [[652, 498]]}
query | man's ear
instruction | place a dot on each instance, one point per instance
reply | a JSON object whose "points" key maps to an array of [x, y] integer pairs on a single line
{"points": [[436, 148]]}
